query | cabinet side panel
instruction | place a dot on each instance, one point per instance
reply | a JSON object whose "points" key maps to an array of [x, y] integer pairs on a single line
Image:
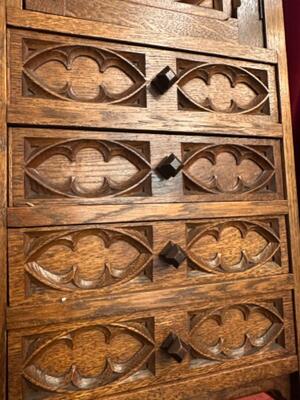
{"points": [[2, 199], [276, 41]]}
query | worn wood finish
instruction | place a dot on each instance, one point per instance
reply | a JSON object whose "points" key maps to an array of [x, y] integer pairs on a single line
{"points": [[35, 20], [183, 19], [85, 261], [265, 321], [3, 202], [56, 166], [152, 223], [200, 391], [194, 296], [276, 40], [31, 216], [217, 20], [119, 97]]}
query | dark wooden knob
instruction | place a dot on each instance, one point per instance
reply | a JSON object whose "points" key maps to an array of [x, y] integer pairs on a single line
{"points": [[175, 347], [169, 166], [173, 254], [164, 80]]}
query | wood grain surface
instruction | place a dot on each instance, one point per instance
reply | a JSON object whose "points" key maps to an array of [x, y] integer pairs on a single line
{"points": [[81, 167], [47, 264], [43, 91], [3, 200], [276, 40], [37, 353], [148, 197]]}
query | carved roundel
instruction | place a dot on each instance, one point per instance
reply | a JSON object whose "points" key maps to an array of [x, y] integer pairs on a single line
{"points": [[222, 88], [65, 73]]}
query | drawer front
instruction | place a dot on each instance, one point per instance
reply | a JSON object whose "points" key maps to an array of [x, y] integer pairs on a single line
{"points": [[69, 81], [90, 360], [60, 166], [221, 20], [88, 261]]}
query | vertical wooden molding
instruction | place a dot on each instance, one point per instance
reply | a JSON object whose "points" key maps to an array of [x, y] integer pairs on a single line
{"points": [[276, 41], [3, 197]]}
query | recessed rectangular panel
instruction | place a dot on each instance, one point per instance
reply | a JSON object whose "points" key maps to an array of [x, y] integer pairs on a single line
{"points": [[51, 264], [106, 356], [207, 20], [221, 20], [69, 81], [65, 166]]}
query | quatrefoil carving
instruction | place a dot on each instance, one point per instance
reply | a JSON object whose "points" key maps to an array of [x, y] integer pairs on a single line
{"points": [[84, 74], [90, 258], [235, 331], [88, 358], [231, 246], [228, 169], [87, 169], [223, 88]]}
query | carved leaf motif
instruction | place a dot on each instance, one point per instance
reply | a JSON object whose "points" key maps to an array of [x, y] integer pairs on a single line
{"points": [[84, 74], [232, 247], [85, 158], [235, 331], [222, 88], [87, 358], [228, 169], [82, 271]]}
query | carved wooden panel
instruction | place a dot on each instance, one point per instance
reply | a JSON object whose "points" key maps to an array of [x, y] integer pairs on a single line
{"points": [[85, 259], [109, 356], [57, 264], [208, 19], [58, 72], [234, 246], [131, 160], [87, 357], [91, 83], [211, 331], [221, 88], [151, 229], [59, 166], [228, 169], [229, 334]]}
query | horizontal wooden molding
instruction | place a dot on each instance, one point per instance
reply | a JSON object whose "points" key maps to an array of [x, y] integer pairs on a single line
{"points": [[61, 215], [144, 302], [47, 22]]}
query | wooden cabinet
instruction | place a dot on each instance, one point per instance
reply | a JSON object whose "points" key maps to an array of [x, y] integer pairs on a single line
{"points": [[148, 202]]}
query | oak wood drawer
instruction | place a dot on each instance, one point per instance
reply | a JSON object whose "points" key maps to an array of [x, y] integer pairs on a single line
{"points": [[183, 19], [206, 19], [62, 80], [50, 166], [113, 355], [57, 264]]}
